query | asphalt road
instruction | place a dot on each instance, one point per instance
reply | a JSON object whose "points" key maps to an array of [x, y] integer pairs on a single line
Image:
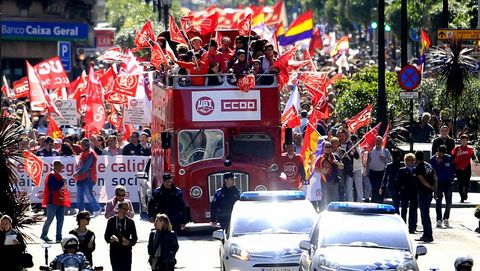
{"points": [[199, 252]]}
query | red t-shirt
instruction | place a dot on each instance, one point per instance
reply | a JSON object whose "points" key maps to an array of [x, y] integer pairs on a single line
{"points": [[461, 156], [291, 167], [208, 57]]}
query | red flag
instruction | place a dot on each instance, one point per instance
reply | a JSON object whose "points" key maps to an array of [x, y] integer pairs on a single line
{"points": [[114, 54], [175, 33], [209, 24], [95, 110], [53, 130], [321, 107], [282, 65], [425, 39], [51, 73], [246, 83], [115, 98], [275, 16], [33, 167], [361, 119], [385, 136], [145, 35], [38, 94], [315, 42], [333, 80], [370, 138], [314, 83], [187, 23], [158, 57], [115, 119], [21, 88], [77, 89], [245, 25], [108, 78], [126, 85], [290, 118]]}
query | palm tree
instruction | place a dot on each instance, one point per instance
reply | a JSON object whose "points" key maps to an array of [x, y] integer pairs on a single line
{"points": [[12, 203], [453, 66]]}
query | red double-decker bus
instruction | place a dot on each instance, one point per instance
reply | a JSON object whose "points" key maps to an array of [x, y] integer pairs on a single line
{"points": [[199, 133]]}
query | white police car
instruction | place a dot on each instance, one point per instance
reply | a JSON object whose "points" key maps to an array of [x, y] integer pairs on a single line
{"points": [[265, 230], [359, 236]]}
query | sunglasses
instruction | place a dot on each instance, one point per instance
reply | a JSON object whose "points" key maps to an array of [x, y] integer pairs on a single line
{"points": [[328, 147], [121, 195]]}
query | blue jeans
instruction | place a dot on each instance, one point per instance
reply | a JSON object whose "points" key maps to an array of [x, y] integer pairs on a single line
{"points": [[444, 189], [85, 189], [54, 211]]}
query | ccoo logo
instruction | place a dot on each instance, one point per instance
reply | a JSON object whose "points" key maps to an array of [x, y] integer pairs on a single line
{"points": [[205, 106], [58, 103]]}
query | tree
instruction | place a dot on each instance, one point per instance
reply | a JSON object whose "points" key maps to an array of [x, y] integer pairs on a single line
{"points": [[356, 93], [12, 202], [452, 65]]}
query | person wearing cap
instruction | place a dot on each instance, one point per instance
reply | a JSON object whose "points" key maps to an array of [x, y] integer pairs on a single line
{"points": [[463, 263], [223, 200], [462, 156], [168, 199], [47, 150], [377, 161], [442, 163], [55, 199], [197, 45], [57, 144]]}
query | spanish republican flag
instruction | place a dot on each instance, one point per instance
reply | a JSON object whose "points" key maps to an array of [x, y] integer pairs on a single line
{"points": [[300, 29], [343, 44]]}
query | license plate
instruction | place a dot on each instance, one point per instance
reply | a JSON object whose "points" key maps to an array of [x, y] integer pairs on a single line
{"points": [[278, 269]]}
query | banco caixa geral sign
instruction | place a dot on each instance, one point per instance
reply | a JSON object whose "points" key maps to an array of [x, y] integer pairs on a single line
{"points": [[15, 30]]}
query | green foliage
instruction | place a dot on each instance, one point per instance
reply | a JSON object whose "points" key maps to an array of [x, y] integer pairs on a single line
{"points": [[356, 93]]}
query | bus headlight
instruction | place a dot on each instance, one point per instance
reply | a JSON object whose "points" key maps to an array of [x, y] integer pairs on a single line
{"points": [[261, 187], [196, 192]]}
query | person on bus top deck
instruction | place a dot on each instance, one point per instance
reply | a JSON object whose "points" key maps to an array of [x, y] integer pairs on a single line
{"points": [[223, 200], [241, 66], [197, 45], [227, 52], [212, 55], [168, 199], [215, 77], [196, 68], [291, 163]]}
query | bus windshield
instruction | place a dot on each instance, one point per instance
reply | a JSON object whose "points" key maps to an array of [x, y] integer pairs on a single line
{"points": [[199, 145], [258, 145]]}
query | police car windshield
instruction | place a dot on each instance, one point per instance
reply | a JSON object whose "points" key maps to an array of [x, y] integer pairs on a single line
{"points": [[366, 230], [272, 217]]}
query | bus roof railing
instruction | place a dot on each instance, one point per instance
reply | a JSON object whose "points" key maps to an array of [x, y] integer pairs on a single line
{"points": [[183, 82]]}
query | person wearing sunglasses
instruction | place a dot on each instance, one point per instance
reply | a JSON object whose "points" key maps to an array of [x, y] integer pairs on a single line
{"points": [[120, 193], [85, 236]]}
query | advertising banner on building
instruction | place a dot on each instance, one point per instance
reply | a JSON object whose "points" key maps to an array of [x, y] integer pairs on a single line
{"points": [[21, 30], [226, 105], [111, 171]]}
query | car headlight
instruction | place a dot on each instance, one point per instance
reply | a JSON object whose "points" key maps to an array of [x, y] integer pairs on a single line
{"points": [[239, 253], [196, 192], [407, 265], [327, 265]]}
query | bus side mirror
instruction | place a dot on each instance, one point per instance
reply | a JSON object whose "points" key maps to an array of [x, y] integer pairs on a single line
{"points": [[165, 136]]}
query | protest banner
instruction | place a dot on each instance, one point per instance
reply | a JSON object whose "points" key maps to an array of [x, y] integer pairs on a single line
{"points": [[68, 109]]}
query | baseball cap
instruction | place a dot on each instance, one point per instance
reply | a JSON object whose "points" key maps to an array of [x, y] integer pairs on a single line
{"points": [[166, 176], [57, 141], [228, 175]]}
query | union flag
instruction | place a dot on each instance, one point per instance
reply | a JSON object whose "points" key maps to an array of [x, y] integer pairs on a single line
{"points": [[33, 167], [361, 119]]}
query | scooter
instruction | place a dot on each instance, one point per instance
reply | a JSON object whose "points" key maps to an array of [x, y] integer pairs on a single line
{"points": [[46, 267]]}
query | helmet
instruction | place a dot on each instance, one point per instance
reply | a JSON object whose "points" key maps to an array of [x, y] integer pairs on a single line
{"points": [[69, 241], [464, 261]]}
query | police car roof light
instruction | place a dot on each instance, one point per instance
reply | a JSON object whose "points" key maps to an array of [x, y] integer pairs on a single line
{"points": [[358, 207], [272, 195]]}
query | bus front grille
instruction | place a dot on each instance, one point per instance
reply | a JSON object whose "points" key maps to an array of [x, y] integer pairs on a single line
{"points": [[215, 181]]}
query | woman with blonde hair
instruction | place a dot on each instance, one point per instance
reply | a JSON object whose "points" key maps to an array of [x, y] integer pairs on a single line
{"points": [[162, 245]]}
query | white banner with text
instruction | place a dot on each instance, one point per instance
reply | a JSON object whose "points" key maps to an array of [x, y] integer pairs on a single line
{"points": [[111, 171]]}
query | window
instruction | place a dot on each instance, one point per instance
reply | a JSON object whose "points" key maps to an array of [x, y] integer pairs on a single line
{"points": [[198, 145], [257, 145]]}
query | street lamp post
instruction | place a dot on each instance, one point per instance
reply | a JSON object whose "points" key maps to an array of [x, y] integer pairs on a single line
{"points": [[166, 4]]}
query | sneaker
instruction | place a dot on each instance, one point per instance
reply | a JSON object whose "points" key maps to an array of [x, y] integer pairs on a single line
{"points": [[445, 223], [46, 239], [439, 223]]}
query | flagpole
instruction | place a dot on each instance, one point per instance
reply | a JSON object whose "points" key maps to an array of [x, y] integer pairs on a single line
{"points": [[248, 43]]}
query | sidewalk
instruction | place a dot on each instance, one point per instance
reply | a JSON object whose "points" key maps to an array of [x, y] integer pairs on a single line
{"points": [[472, 201]]}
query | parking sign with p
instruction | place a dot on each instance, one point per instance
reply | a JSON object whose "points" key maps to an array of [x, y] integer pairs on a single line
{"points": [[65, 54]]}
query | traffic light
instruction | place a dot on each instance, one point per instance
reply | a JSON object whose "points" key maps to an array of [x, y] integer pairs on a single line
{"points": [[387, 28], [374, 25]]}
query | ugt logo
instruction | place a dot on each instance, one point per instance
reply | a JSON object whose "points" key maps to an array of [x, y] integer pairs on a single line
{"points": [[205, 106]]}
